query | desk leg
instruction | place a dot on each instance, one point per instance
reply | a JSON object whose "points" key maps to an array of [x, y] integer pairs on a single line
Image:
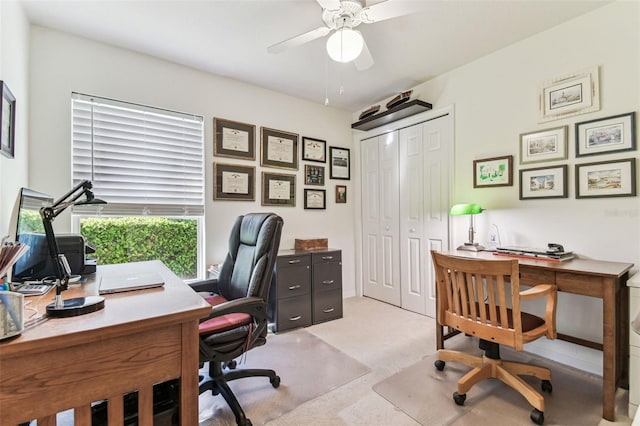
{"points": [[189, 375], [609, 356]]}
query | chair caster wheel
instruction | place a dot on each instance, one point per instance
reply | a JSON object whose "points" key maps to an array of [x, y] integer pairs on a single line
{"points": [[439, 365], [459, 398], [275, 382], [231, 365], [546, 386], [537, 416]]}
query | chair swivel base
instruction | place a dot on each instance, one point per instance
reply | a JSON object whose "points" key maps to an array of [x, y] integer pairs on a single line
{"points": [[484, 367], [217, 382]]}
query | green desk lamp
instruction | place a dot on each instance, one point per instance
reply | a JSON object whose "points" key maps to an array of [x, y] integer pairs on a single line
{"points": [[470, 209]]}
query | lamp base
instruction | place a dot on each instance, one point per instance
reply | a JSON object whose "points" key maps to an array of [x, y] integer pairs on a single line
{"points": [[471, 247], [76, 306]]}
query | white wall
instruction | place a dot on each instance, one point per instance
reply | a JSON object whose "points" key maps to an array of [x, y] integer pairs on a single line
{"points": [[496, 99], [14, 71], [62, 63]]}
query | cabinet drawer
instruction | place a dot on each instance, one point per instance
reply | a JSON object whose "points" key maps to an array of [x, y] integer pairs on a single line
{"points": [[294, 312], [326, 256], [535, 276], [327, 305], [283, 262], [327, 277], [293, 281]]}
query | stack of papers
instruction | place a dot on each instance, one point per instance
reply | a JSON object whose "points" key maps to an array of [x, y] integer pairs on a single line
{"points": [[534, 253]]}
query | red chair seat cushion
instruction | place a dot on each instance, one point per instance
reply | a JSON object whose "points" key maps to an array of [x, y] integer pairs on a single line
{"points": [[224, 322]]}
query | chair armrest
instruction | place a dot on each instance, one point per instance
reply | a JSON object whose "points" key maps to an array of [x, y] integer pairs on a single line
{"points": [[551, 291], [210, 285], [254, 306], [537, 291]]}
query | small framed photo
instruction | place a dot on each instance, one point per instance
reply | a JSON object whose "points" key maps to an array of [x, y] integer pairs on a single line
{"points": [[278, 189], [496, 171], [606, 179], [278, 149], [234, 182], [314, 150], [544, 145], [313, 175], [569, 95], [606, 135], [8, 121], [543, 182], [341, 194], [339, 163], [234, 139], [314, 199]]}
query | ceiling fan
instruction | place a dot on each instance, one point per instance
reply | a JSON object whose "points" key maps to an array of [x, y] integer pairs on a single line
{"points": [[341, 17]]}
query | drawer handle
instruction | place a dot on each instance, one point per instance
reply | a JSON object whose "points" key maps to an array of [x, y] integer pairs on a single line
{"points": [[327, 257], [327, 311], [294, 287], [299, 317], [291, 262], [327, 282]]}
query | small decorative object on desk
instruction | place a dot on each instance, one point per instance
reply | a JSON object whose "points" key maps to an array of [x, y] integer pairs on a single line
{"points": [[369, 111], [399, 99], [311, 244]]}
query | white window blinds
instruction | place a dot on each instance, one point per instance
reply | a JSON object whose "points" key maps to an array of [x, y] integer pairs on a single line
{"points": [[141, 160]]}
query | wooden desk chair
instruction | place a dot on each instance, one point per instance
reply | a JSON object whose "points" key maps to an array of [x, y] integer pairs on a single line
{"points": [[474, 297]]}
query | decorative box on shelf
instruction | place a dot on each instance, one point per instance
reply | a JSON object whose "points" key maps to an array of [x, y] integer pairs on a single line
{"points": [[398, 112], [311, 244]]}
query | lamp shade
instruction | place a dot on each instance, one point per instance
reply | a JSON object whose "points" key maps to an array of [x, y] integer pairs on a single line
{"points": [[345, 45], [461, 209]]}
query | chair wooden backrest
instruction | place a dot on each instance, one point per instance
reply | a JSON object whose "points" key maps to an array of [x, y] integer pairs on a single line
{"points": [[482, 298]]}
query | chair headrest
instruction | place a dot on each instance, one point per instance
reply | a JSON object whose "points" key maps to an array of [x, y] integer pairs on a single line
{"points": [[250, 227]]}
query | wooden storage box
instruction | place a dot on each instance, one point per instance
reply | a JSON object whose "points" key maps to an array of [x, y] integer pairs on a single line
{"points": [[311, 243]]}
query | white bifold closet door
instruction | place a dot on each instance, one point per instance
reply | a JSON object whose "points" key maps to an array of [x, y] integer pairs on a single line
{"points": [[406, 182]]}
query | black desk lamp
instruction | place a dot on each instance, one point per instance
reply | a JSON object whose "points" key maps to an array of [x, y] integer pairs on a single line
{"points": [[78, 305]]}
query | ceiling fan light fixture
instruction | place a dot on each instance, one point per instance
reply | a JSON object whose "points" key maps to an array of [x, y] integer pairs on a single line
{"points": [[345, 45]]}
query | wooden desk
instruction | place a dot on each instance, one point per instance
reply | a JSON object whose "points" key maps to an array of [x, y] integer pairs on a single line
{"points": [[140, 338], [603, 280]]}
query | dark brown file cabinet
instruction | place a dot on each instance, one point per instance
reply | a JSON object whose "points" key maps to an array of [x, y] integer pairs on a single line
{"points": [[306, 289]]}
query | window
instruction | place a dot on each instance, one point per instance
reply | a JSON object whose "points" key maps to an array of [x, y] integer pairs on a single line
{"points": [[147, 163]]}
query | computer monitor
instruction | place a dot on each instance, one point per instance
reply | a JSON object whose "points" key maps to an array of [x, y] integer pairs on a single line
{"points": [[26, 227]]}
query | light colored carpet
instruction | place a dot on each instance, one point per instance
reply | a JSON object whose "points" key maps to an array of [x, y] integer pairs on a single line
{"points": [[425, 394], [308, 367]]}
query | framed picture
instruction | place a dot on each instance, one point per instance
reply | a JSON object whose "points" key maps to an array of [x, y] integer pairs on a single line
{"points": [[341, 194], [606, 179], [315, 199], [544, 145], [279, 149], [234, 139], [8, 121], [496, 171], [339, 163], [606, 135], [543, 182], [314, 150], [572, 94], [278, 189], [234, 182], [313, 175]]}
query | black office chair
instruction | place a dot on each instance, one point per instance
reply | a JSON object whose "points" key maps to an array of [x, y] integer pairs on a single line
{"points": [[238, 320]]}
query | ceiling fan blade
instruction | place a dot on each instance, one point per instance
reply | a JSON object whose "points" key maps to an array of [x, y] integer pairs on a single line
{"points": [[390, 9], [365, 60], [329, 4], [299, 40]]}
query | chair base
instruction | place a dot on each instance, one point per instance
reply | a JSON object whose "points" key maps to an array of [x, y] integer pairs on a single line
{"points": [[217, 382], [508, 372]]}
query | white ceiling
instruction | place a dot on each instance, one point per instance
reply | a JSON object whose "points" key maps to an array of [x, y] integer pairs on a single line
{"points": [[230, 38]]}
